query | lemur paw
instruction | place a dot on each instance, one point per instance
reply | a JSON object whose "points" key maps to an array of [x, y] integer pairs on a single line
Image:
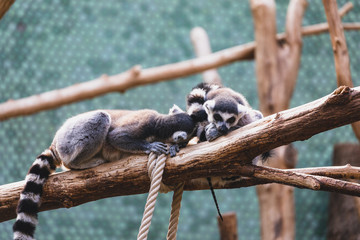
{"points": [[173, 150], [258, 115], [157, 148], [211, 133]]}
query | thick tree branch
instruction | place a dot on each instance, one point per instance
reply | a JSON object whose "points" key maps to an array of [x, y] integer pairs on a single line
{"points": [[277, 66], [5, 6], [290, 52], [341, 54], [225, 156], [341, 172], [253, 177], [122, 82], [137, 77], [303, 178], [324, 27], [267, 57], [201, 43], [337, 36]]}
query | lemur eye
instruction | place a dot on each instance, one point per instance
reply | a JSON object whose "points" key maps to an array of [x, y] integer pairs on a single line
{"points": [[231, 120], [217, 117]]}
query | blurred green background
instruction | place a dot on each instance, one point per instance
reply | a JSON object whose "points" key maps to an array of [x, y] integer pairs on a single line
{"points": [[45, 45]]}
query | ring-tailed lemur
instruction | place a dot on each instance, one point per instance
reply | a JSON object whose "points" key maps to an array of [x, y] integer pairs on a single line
{"points": [[219, 110], [90, 139]]}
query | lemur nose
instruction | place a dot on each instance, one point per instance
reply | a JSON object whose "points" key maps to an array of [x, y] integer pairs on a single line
{"points": [[223, 129]]}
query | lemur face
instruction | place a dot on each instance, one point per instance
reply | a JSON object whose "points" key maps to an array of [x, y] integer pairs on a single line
{"points": [[181, 136], [224, 120]]}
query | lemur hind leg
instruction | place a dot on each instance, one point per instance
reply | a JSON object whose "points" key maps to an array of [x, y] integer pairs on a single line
{"points": [[79, 140]]}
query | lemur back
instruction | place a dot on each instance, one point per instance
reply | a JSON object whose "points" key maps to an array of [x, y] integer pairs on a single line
{"points": [[90, 139]]}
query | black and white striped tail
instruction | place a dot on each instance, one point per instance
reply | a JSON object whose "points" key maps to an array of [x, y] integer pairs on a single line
{"points": [[30, 197]]}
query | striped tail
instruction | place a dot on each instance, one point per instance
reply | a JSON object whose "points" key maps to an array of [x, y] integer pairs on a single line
{"points": [[30, 197]]}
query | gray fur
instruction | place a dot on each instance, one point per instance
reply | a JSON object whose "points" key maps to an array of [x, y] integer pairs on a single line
{"points": [[81, 138], [226, 110], [93, 138], [96, 137]]}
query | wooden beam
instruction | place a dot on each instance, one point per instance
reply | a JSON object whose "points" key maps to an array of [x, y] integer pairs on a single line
{"points": [[228, 227]]}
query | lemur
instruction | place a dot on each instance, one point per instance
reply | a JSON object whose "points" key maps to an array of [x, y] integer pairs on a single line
{"points": [[92, 138], [219, 110]]}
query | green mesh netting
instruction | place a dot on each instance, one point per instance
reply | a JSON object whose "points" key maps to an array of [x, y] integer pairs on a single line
{"points": [[45, 45]]}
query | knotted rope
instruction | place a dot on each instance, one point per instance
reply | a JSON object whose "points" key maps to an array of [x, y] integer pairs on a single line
{"points": [[156, 166]]}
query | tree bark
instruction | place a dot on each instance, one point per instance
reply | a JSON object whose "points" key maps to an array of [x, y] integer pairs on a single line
{"points": [[201, 43], [338, 41], [341, 228], [344, 214], [277, 67], [228, 227], [137, 77], [229, 155], [5, 6], [341, 54]]}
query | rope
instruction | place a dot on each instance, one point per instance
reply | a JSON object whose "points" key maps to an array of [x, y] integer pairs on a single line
{"points": [[175, 212], [156, 166], [155, 170]]}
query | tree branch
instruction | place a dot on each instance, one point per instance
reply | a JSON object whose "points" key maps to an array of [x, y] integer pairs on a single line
{"points": [[5, 6], [223, 157], [338, 41], [252, 178], [277, 64], [137, 77], [341, 172], [201, 43], [340, 50], [302, 178]]}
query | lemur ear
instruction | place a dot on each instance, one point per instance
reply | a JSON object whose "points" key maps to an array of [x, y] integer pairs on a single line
{"points": [[209, 105], [175, 109], [199, 116], [242, 110]]}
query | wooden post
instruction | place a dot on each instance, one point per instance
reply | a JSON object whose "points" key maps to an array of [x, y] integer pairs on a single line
{"points": [[228, 227], [344, 214], [344, 210], [276, 71], [341, 54]]}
